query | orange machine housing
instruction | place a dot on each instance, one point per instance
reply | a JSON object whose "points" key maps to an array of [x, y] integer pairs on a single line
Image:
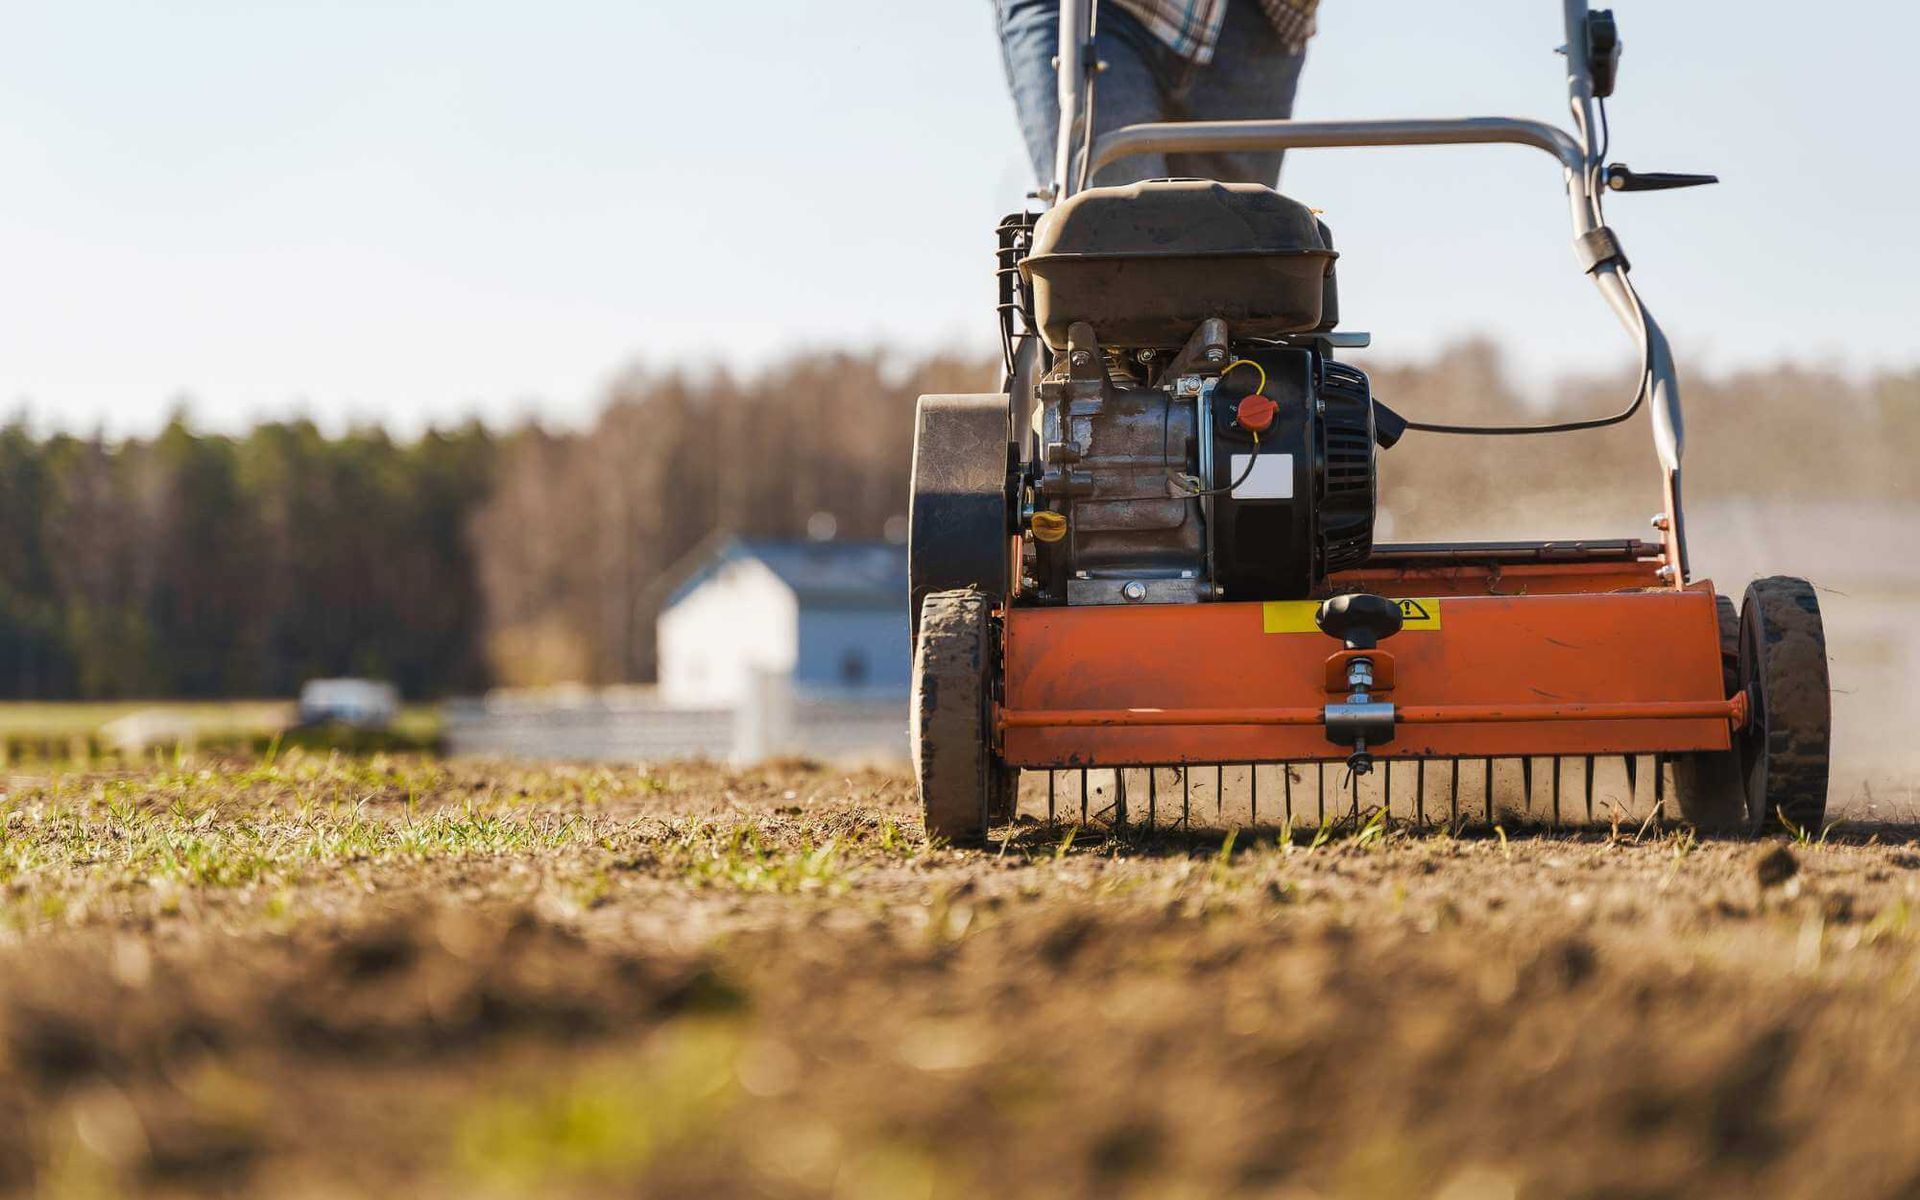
{"points": [[1523, 660]]}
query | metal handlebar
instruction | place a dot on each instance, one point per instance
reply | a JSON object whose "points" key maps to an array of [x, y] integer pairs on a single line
{"points": [[1223, 136]]}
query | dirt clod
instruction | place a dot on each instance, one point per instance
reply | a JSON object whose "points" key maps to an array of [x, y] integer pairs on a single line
{"points": [[1774, 865]]}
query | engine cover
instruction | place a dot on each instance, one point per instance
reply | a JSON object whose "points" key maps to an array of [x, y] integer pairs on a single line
{"points": [[1143, 264]]}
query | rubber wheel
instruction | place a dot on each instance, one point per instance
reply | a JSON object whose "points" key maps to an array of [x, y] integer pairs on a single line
{"points": [[1783, 666], [959, 507], [962, 784]]}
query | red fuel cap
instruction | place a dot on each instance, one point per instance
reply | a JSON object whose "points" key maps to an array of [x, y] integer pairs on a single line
{"points": [[1255, 413]]}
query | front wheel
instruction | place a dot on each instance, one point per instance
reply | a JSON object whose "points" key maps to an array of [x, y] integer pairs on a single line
{"points": [[962, 783]]}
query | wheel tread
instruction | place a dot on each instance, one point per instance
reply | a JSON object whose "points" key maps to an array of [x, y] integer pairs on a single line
{"points": [[1784, 654], [951, 673]]}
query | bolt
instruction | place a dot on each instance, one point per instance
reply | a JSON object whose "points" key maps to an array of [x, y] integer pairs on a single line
{"points": [[1080, 358], [1659, 521], [1216, 354], [1665, 572], [1134, 591]]}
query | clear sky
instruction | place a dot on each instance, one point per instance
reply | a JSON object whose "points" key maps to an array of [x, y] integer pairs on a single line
{"points": [[413, 211]]}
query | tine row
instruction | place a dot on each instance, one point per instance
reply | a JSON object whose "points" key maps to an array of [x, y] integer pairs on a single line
{"points": [[1552, 791]]}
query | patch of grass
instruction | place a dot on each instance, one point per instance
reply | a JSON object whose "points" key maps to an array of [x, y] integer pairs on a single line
{"points": [[738, 856], [1806, 838], [1891, 923], [608, 1123], [75, 734], [1374, 832], [1322, 835], [1222, 870], [73, 845], [57, 719]]}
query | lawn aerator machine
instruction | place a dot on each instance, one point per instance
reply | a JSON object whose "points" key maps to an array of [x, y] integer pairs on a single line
{"points": [[1152, 551]]}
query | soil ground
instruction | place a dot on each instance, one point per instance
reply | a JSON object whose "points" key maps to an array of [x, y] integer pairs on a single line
{"points": [[338, 976]]}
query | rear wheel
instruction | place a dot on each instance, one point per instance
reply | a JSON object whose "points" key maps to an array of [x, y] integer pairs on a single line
{"points": [[959, 512], [962, 784], [1783, 665]]}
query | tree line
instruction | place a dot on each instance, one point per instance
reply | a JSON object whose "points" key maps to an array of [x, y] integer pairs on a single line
{"points": [[201, 565], [205, 566]]}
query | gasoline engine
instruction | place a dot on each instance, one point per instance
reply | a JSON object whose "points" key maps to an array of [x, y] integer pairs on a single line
{"points": [[1195, 439]]}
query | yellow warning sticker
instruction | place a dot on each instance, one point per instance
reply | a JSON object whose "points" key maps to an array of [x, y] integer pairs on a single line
{"points": [[1296, 616]]}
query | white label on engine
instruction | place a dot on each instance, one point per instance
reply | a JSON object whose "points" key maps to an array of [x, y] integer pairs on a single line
{"points": [[1271, 477]]}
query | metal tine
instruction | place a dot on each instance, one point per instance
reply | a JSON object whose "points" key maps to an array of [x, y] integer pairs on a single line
{"points": [[1659, 782], [1153, 795], [1219, 790], [1322, 767], [1386, 787], [1633, 778], [1453, 794], [1186, 797], [1253, 791], [1556, 791], [1120, 798], [1589, 789], [1286, 786], [1083, 795], [1526, 783], [1420, 791], [1488, 763], [1353, 786], [1051, 776]]}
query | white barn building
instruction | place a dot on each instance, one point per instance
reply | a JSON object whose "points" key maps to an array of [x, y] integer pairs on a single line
{"points": [[831, 617]]}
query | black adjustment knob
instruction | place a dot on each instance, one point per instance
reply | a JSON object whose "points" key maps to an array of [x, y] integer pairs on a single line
{"points": [[1360, 619]]}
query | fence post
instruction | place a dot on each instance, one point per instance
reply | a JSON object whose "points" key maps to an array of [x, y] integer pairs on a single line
{"points": [[763, 724]]}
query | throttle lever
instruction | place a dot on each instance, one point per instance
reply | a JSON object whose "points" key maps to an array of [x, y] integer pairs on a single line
{"points": [[1622, 178]]}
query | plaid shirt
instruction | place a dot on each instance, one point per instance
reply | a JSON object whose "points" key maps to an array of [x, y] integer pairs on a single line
{"points": [[1191, 28]]}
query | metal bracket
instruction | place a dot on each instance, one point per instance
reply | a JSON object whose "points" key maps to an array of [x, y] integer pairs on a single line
{"points": [[1372, 720], [1599, 247]]}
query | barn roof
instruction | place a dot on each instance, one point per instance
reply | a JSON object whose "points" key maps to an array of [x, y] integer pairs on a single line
{"points": [[839, 574]]}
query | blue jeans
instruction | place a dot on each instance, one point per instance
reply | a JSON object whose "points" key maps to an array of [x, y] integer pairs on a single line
{"points": [[1252, 75]]}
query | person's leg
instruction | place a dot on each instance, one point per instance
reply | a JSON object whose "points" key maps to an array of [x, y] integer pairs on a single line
{"points": [[1253, 75], [1129, 91], [1029, 31]]}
